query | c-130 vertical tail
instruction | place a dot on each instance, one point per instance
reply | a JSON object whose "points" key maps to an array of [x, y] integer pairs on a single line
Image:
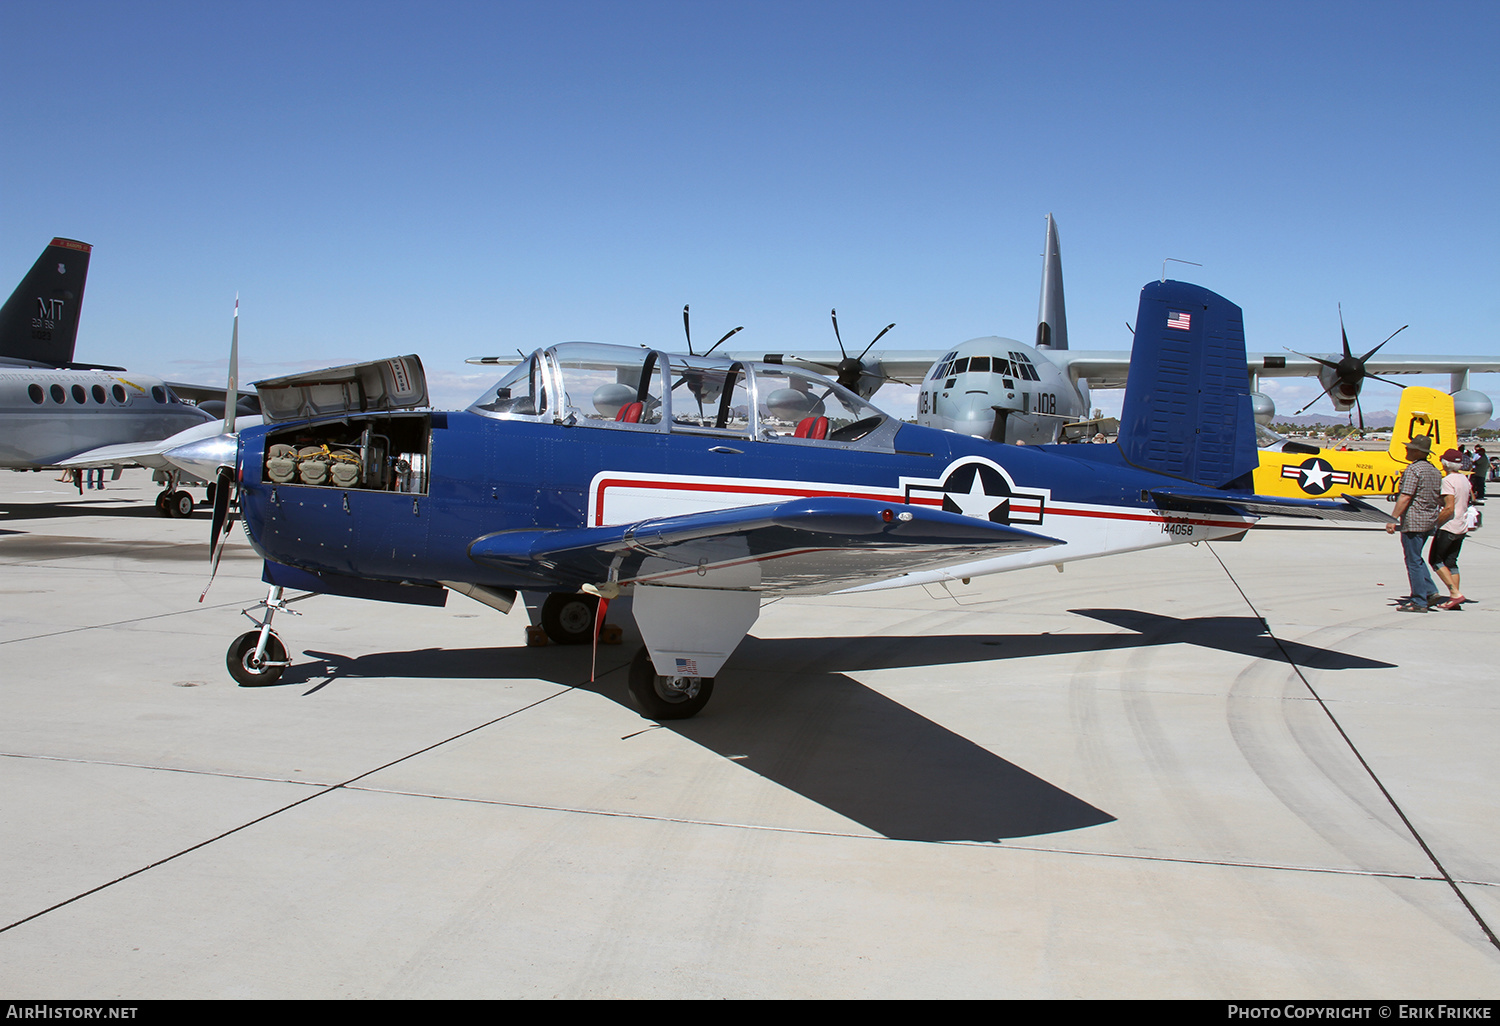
{"points": [[39, 322]]}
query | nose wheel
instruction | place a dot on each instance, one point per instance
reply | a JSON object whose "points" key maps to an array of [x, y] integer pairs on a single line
{"points": [[257, 657], [660, 697], [249, 666]]}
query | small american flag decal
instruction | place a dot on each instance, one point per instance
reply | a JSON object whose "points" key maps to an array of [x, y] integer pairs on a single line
{"points": [[1180, 321], [687, 667]]}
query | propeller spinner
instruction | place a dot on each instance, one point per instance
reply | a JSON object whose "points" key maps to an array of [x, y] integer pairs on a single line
{"points": [[852, 368]]}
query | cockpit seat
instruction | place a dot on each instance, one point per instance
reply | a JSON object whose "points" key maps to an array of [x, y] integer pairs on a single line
{"points": [[630, 413], [812, 427]]}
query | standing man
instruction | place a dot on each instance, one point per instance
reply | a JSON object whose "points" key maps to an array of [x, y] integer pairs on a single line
{"points": [[1481, 473], [1417, 506]]}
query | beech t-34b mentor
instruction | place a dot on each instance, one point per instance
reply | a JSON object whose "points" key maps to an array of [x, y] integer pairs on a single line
{"points": [[700, 486]]}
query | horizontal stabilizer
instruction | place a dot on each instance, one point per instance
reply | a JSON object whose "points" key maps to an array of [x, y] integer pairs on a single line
{"points": [[1351, 509], [804, 545]]}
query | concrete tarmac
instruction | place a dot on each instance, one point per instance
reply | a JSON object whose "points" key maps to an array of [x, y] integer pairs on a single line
{"points": [[1228, 771]]}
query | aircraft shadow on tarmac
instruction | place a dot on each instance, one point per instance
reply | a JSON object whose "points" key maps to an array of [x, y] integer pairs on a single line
{"points": [[25, 545], [821, 734], [80, 507], [786, 711]]}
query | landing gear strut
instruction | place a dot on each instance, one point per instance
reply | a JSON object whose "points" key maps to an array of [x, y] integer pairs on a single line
{"points": [[666, 698], [257, 657]]}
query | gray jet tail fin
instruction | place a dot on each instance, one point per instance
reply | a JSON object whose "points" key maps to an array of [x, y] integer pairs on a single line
{"points": [[39, 322], [1051, 317]]}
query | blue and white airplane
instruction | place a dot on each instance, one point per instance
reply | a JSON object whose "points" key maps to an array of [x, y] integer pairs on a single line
{"points": [[700, 486]]}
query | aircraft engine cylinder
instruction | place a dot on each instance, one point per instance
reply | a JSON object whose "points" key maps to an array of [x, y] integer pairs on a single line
{"points": [[1471, 408]]}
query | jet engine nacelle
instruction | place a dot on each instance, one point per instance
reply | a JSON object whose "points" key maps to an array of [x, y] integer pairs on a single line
{"points": [[1471, 408], [1263, 407]]}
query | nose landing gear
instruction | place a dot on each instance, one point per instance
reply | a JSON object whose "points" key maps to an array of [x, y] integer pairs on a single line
{"points": [[257, 657]]}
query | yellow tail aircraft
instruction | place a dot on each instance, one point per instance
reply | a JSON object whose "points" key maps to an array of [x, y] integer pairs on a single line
{"points": [[1304, 471]]}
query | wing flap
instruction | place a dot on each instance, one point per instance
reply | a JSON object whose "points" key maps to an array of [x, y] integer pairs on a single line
{"points": [[802, 546]]}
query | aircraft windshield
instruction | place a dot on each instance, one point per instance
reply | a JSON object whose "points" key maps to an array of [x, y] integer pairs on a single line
{"points": [[521, 393]]}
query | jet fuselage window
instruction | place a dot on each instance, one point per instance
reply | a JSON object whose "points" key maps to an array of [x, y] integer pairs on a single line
{"points": [[118, 392], [35, 391], [980, 364], [79, 395], [961, 366], [58, 395], [99, 394], [158, 393]]}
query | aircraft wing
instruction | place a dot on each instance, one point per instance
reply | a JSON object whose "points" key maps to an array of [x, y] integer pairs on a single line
{"points": [[204, 393], [1107, 369], [804, 546], [1290, 365], [908, 366], [150, 453]]}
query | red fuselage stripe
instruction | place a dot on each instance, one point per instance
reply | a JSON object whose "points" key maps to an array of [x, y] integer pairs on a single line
{"points": [[936, 502]]}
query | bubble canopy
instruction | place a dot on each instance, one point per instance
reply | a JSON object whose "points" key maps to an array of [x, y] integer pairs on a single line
{"points": [[600, 385]]}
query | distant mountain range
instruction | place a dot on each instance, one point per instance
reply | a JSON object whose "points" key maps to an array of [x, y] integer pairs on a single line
{"points": [[1375, 420]]}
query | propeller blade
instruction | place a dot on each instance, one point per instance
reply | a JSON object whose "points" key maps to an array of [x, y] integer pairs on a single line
{"points": [[877, 338], [1372, 352], [1314, 359], [232, 388], [1319, 396], [687, 331], [726, 338], [835, 315], [219, 526]]}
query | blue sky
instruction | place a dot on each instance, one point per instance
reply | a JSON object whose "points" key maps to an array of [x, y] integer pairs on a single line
{"points": [[458, 179]]}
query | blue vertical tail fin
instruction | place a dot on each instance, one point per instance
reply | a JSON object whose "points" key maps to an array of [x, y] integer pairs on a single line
{"points": [[1186, 412]]}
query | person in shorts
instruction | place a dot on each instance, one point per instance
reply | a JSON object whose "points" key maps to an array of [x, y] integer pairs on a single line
{"points": [[1453, 524]]}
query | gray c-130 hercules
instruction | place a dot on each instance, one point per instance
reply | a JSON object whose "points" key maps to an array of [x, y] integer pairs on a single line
{"points": [[1008, 391]]}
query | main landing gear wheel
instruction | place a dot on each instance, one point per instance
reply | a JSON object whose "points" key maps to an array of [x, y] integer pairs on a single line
{"points": [[243, 666], [174, 504], [666, 698], [568, 619]]}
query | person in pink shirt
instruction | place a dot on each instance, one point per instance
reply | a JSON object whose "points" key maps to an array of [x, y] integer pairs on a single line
{"points": [[1452, 526]]}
